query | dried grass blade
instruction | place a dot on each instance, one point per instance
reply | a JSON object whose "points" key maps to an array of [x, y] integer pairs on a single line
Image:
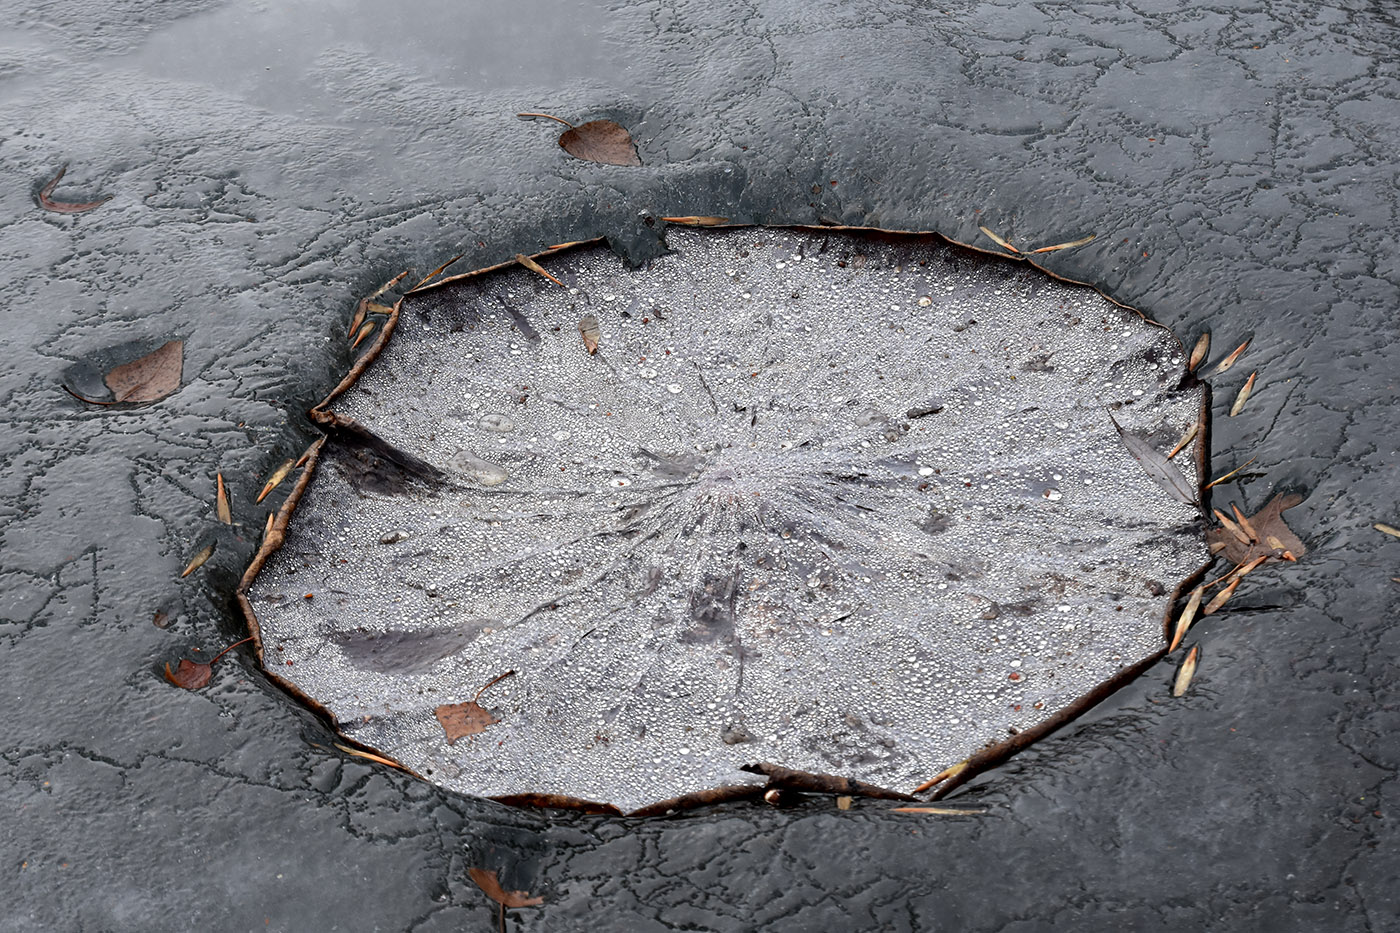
{"points": [[197, 561], [999, 241], [1383, 528], [939, 811], [696, 221], [1243, 395], [277, 476], [1199, 351], [1221, 598], [942, 776], [1070, 245], [1186, 438], [1186, 671], [535, 267], [1229, 361], [1187, 616], [424, 281], [367, 756], [221, 507], [1216, 482]]}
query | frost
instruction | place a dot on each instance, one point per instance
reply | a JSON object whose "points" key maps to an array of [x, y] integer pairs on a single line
{"points": [[845, 503]]}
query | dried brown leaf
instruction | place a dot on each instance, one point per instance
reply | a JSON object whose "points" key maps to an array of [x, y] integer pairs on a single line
{"points": [[600, 141], [65, 207], [1244, 524], [1235, 531], [942, 776], [1271, 535], [470, 718], [1188, 615], [1229, 361], [189, 675], [538, 269], [1221, 598], [277, 476], [365, 330], [198, 561], [1070, 245], [490, 885], [1199, 351], [844, 803], [588, 328], [998, 240], [1243, 395], [369, 756], [1186, 671], [221, 507], [150, 378]]}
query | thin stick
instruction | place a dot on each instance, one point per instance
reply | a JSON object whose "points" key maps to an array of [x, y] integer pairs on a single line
{"points": [[547, 116], [1222, 479], [230, 648], [999, 241]]}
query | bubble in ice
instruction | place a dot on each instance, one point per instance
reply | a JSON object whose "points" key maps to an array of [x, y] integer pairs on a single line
{"points": [[795, 513]]}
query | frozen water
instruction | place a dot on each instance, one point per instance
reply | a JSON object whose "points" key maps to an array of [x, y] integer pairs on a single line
{"points": [[848, 503]]}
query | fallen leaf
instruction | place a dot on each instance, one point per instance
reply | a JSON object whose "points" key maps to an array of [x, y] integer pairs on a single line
{"points": [[589, 330], [470, 718], [998, 240], [1245, 525], [1199, 351], [150, 378], [1229, 361], [1221, 598], [1161, 470], [844, 803], [221, 506], [1232, 528], [691, 221], [1070, 245], [1186, 671], [490, 885], [365, 330], [65, 207], [600, 141], [538, 269], [1270, 537], [277, 476], [1187, 616], [198, 561], [191, 675], [1243, 395]]}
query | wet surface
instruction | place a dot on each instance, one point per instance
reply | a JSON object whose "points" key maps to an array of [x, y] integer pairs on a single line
{"points": [[810, 497], [1236, 162]]}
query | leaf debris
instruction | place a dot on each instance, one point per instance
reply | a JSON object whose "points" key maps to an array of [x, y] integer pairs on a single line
{"points": [[65, 207], [939, 811], [590, 332], [998, 240], [1220, 479], [1070, 245], [221, 507], [1199, 351], [462, 719], [1229, 361], [696, 221], [365, 330], [1186, 438], [198, 561], [277, 476], [535, 267], [1186, 671], [1243, 395], [1188, 615], [942, 776], [1162, 471], [603, 141], [191, 675], [491, 886], [1387, 529]]}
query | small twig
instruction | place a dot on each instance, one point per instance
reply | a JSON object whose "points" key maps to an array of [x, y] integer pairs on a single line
{"points": [[547, 116]]}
